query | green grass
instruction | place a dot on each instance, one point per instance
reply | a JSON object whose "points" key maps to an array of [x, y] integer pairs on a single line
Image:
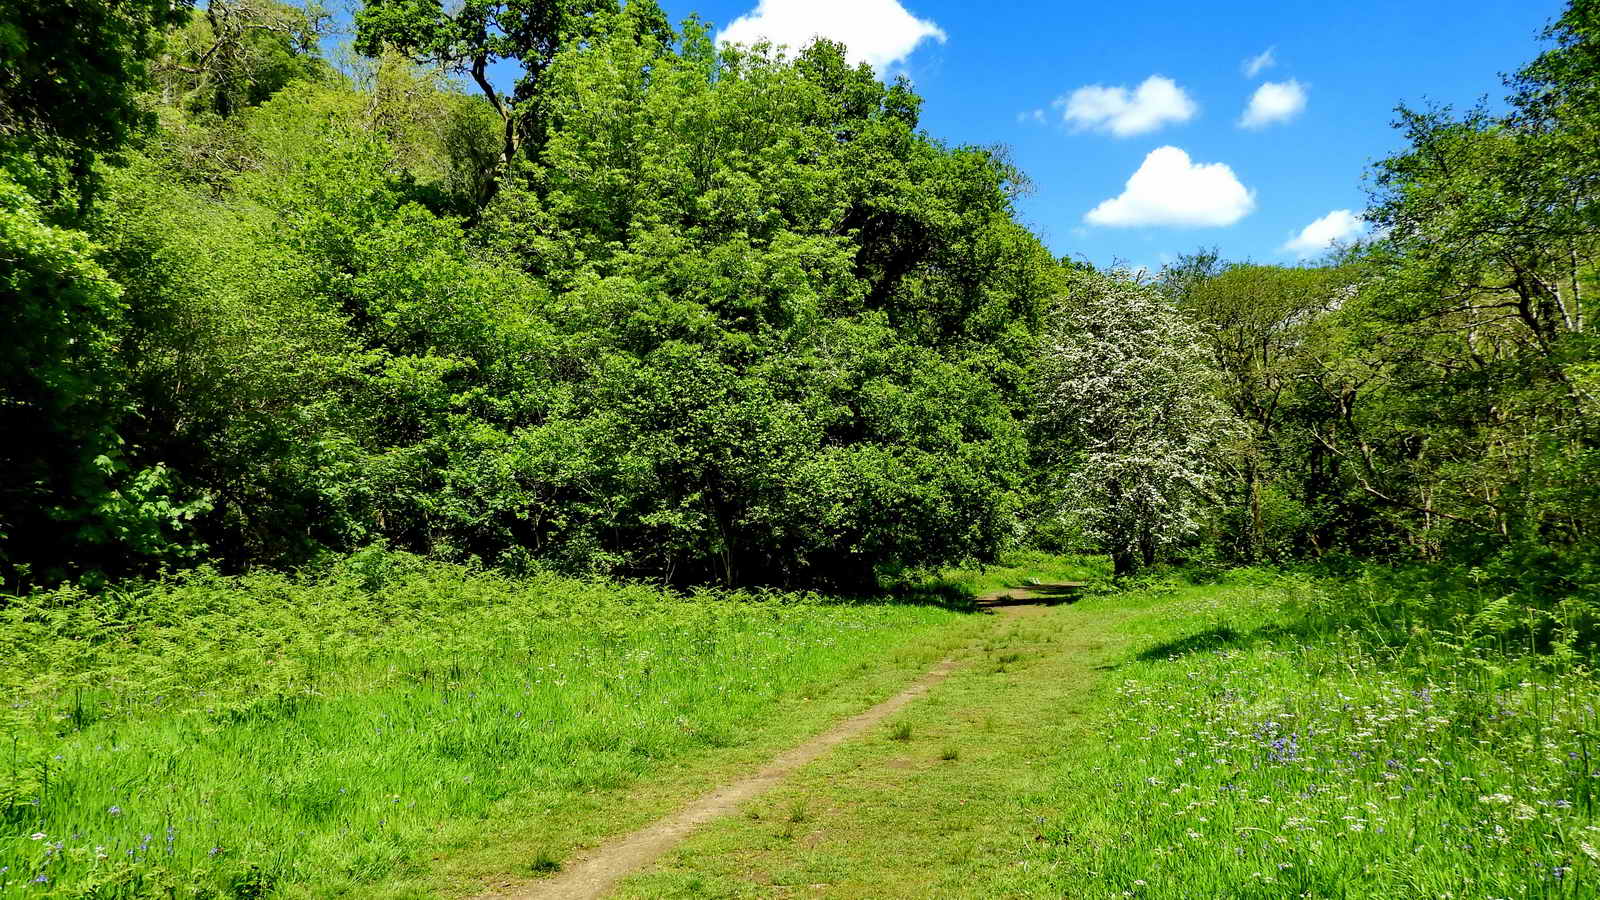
{"points": [[1252, 758], [1198, 740], [403, 730], [1015, 571], [364, 732]]}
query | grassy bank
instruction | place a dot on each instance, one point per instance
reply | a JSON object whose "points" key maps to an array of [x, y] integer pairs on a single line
{"points": [[1284, 743], [275, 736], [1259, 736]]}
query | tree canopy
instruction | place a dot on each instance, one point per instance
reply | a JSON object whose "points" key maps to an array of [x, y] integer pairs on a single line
{"points": [[692, 313]]}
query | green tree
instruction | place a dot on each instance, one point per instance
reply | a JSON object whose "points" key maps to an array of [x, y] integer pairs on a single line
{"points": [[237, 53], [1262, 326], [69, 86], [478, 35], [70, 496]]}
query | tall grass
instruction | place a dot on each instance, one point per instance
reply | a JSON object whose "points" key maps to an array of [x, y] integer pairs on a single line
{"points": [[271, 735], [1308, 738]]}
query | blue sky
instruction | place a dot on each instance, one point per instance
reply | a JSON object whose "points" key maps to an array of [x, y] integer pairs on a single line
{"points": [[1008, 75]]}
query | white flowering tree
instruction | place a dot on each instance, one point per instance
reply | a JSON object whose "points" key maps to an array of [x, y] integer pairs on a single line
{"points": [[1129, 406]]}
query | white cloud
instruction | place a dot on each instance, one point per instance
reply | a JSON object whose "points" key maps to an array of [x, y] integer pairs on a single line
{"points": [[1125, 113], [877, 32], [1336, 227], [1274, 102], [1032, 116], [1255, 65], [1169, 189]]}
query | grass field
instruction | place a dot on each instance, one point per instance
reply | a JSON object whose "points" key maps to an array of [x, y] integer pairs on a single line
{"points": [[369, 731], [400, 729], [1193, 740]]}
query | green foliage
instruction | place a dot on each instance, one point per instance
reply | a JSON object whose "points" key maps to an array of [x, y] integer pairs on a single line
{"points": [[1481, 295], [69, 87], [469, 38], [787, 300], [1272, 335], [71, 491], [235, 54], [735, 321], [207, 736], [695, 314], [1429, 395], [1513, 601]]}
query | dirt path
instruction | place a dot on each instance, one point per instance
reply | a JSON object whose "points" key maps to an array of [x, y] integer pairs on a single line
{"points": [[595, 875]]}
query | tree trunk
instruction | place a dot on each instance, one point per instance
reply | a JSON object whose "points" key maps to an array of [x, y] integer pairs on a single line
{"points": [[1258, 538], [1123, 562]]}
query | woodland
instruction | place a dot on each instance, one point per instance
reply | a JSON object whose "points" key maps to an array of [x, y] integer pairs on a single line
{"points": [[701, 315]]}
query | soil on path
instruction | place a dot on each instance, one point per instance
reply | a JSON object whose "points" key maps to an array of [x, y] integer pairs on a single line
{"points": [[596, 874]]}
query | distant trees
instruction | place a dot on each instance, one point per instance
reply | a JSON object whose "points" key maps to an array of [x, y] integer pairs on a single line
{"points": [[234, 54], [471, 37], [1127, 391], [1484, 293], [1266, 331], [1432, 393]]}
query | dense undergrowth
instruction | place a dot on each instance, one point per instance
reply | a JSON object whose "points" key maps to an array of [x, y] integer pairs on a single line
{"points": [[274, 735], [1364, 737]]}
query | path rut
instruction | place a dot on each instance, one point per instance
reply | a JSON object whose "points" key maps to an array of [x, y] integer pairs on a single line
{"points": [[596, 874]]}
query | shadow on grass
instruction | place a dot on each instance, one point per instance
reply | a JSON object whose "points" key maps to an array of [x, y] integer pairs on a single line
{"points": [[960, 598], [955, 597], [1221, 637], [1034, 595], [1210, 639]]}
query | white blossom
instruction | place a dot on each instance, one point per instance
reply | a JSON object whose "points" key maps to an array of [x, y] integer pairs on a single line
{"points": [[1129, 393]]}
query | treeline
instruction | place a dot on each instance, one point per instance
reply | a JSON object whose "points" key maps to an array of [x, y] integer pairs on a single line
{"points": [[1434, 394], [1430, 394], [665, 311], [697, 314]]}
